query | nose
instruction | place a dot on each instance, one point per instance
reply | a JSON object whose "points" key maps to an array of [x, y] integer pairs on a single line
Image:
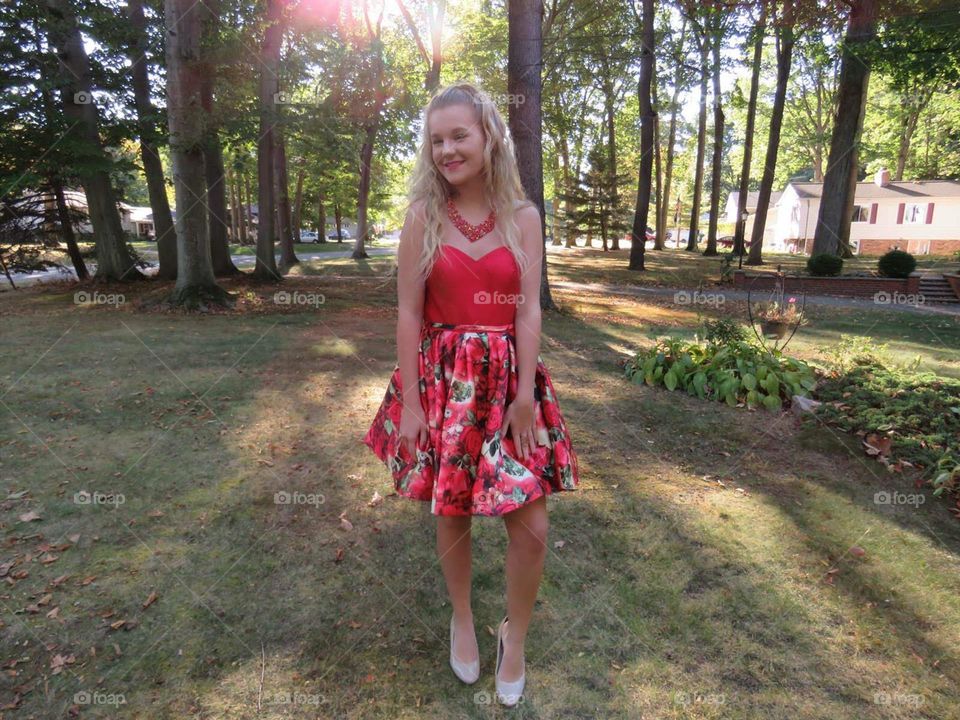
{"points": [[447, 149]]}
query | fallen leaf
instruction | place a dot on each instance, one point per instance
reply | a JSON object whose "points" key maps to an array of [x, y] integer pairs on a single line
{"points": [[151, 599], [32, 515]]}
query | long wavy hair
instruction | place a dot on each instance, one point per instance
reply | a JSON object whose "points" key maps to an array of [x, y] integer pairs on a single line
{"points": [[502, 188]]}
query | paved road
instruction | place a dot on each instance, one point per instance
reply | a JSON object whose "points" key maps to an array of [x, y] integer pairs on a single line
{"points": [[684, 296]]}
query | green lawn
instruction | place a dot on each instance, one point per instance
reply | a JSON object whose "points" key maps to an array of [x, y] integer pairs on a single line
{"points": [[705, 569]]}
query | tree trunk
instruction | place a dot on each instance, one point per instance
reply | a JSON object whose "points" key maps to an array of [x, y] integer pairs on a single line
{"points": [[717, 164], [836, 205], [288, 258], [569, 236], [269, 87], [163, 228], [913, 105], [366, 168], [785, 39], [66, 229], [741, 226], [186, 69], [321, 218], [248, 207], [114, 261], [612, 158], [234, 206], [692, 238], [671, 142], [524, 59], [657, 162], [338, 219], [298, 201], [638, 237]]}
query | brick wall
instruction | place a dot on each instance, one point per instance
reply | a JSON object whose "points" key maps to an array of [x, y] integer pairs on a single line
{"points": [[839, 286], [880, 247]]}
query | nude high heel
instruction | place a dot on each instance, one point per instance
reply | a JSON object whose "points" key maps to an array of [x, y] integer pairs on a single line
{"points": [[467, 672], [508, 693]]}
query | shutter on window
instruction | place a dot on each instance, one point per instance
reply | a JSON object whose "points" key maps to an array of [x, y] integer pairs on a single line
{"points": [[929, 213], [873, 214], [900, 209]]}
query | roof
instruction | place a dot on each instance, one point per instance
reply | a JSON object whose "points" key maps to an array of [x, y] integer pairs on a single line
{"points": [[893, 190], [752, 196]]}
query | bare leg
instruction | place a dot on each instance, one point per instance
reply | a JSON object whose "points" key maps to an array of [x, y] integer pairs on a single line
{"points": [[454, 553], [527, 528]]}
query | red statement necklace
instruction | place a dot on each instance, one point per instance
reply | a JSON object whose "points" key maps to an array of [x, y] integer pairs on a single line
{"points": [[472, 232]]}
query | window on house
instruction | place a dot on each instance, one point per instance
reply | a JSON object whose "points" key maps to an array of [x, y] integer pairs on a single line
{"points": [[915, 213], [861, 213]]}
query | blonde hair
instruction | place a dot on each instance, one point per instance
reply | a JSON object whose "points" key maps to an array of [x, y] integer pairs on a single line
{"points": [[502, 188]]}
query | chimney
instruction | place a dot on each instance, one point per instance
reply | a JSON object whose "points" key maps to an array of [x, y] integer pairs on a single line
{"points": [[882, 178]]}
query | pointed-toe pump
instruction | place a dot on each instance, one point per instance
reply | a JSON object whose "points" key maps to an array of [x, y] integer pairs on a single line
{"points": [[508, 693], [467, 672]]}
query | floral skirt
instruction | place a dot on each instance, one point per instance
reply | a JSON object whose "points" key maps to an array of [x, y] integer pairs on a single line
{"points": [[468, 376]]}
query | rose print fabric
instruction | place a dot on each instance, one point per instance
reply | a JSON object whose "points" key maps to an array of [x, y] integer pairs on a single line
{"points": [[468, 376]]}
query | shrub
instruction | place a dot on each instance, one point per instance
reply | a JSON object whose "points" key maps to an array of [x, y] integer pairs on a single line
{"points": [[734, 372], [824, 265], [723, 331], [897, 264]]}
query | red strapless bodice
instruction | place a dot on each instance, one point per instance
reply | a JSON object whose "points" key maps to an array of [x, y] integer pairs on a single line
{"points": [[461, 290]]}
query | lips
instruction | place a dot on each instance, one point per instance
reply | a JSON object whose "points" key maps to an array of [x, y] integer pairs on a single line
{"points": [[453, 165]]}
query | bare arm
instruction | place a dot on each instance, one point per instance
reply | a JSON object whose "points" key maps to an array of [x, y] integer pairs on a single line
{"points": [[528, 311], [410, 293], [519, 416]]}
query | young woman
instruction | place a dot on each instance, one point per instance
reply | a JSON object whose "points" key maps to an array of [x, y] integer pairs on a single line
{"points": [[470, 420]]}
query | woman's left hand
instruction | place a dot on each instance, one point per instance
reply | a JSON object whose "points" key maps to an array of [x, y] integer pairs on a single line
{"points": [[519, 418]]}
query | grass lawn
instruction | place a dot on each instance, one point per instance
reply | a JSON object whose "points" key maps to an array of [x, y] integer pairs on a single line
{"points": [[705, 569]]}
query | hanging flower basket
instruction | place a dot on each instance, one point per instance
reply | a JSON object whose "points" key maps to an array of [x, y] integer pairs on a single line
{"points": [[774, 328]]}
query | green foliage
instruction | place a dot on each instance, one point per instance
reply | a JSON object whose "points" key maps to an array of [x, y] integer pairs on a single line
{"points": [[854, 350], [723, 331], [824, 265], [920, 412], [897, 264], [732, 371]]}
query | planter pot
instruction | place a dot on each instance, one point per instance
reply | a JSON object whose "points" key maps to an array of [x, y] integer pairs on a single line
{"points": [[774, 328]]}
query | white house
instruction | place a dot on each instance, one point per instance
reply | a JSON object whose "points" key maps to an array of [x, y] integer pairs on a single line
{"points": [[768, 228], [134, 219], [921, 217]]}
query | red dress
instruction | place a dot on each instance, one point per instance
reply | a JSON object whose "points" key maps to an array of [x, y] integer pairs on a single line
{"points": [[468, 375]]}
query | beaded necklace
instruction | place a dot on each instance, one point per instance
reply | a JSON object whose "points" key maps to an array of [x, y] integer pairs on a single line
{"points": [[472, 232]]}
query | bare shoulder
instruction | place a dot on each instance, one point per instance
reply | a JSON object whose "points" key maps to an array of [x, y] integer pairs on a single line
{"points": [[528, 218]]}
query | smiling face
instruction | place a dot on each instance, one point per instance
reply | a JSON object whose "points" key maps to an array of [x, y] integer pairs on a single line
{"points": [[457, 140]]}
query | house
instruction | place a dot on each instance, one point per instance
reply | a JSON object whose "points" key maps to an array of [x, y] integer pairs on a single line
{"points": [[921, 217], [730, 211], [134, 219]]}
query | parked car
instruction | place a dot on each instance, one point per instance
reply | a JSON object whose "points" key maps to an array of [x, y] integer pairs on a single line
{"points": [[344, 234], [725, 241], [309, 236]]}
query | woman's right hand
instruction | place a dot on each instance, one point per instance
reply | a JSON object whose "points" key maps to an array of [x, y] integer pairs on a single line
{"points": [[413, 426]]}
